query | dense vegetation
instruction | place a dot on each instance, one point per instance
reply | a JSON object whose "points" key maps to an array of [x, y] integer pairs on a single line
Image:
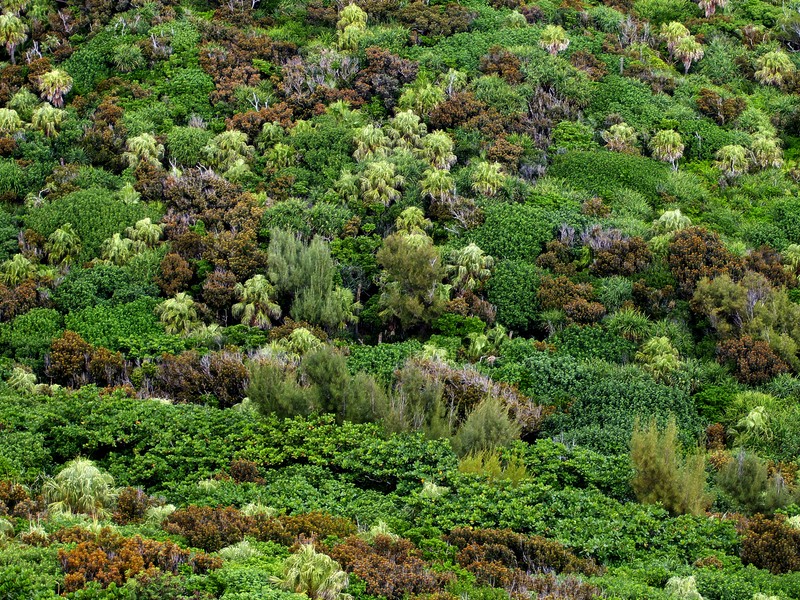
{"points": [[479, 299]]}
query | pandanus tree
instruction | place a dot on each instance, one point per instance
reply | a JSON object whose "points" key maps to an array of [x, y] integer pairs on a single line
{"points": [[13, 33], [406, 130], [54, 85], [228, 149], [766, 151], [422, 98], [554, 39], [17, 269], [688, 51], [80, 487], [671, 220], [256, 306], [380, 184], [143, 148], [667, 146], [672, 33], [487, 178], [620, 137], [314, 574], [145, 233], [774, 67], [63, 245], [10, 122], [371, 142], [179, 314], [352, 22], [731, 160], [117, 250], [438, 185], [469, 268], [47, 119], [437, 150]]}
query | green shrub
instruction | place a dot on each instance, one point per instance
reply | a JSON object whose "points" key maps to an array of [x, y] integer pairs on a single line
{"points": [[606, 173], [27, 338], [96, 215]]}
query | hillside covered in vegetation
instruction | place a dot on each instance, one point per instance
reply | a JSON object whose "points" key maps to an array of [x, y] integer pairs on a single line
{"points": [[400, 299]]}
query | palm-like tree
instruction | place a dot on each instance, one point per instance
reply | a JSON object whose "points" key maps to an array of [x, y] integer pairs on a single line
{"points": [[256, 304], [412, 221], [178, 314], [347, 186], [791, 257], [487, 178], [314, 574], [439, 185], [406, 130], [228, 148], [370, 142], [620, 137], [13, 32], [352, 22], [342, 112], [667, 146], [63, 245], [437, 150], [16, 270], [54, 85], [710, 6], [554, 39], [80, 487], [774, 67], [469, 268], [731, 160], [380, 184], [349, 38], [117, 250], [672, 220], [688, 51], [281, 156], [422, 98], [24, 102], [672, 33], [659, 357], [47, 119], [145, 233], [10, 122], [352, 14], [143, 147], [766, 151], [127, 58]]}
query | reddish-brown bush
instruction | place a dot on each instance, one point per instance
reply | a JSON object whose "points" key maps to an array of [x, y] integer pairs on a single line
{"points": [[722, 110], [516, 550], [110, 558], [560, 291], [132, 503], [209, 528], [69, 356], [771, 544], [500, 61], [769, 263], [390, 567], [695, 253], [287, 529], [174, 274], [243, 471], [622, 257], [753, 361], [384, 75]]}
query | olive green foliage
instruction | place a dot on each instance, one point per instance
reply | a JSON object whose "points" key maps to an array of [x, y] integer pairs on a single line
{"points": [[662, 474]]}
